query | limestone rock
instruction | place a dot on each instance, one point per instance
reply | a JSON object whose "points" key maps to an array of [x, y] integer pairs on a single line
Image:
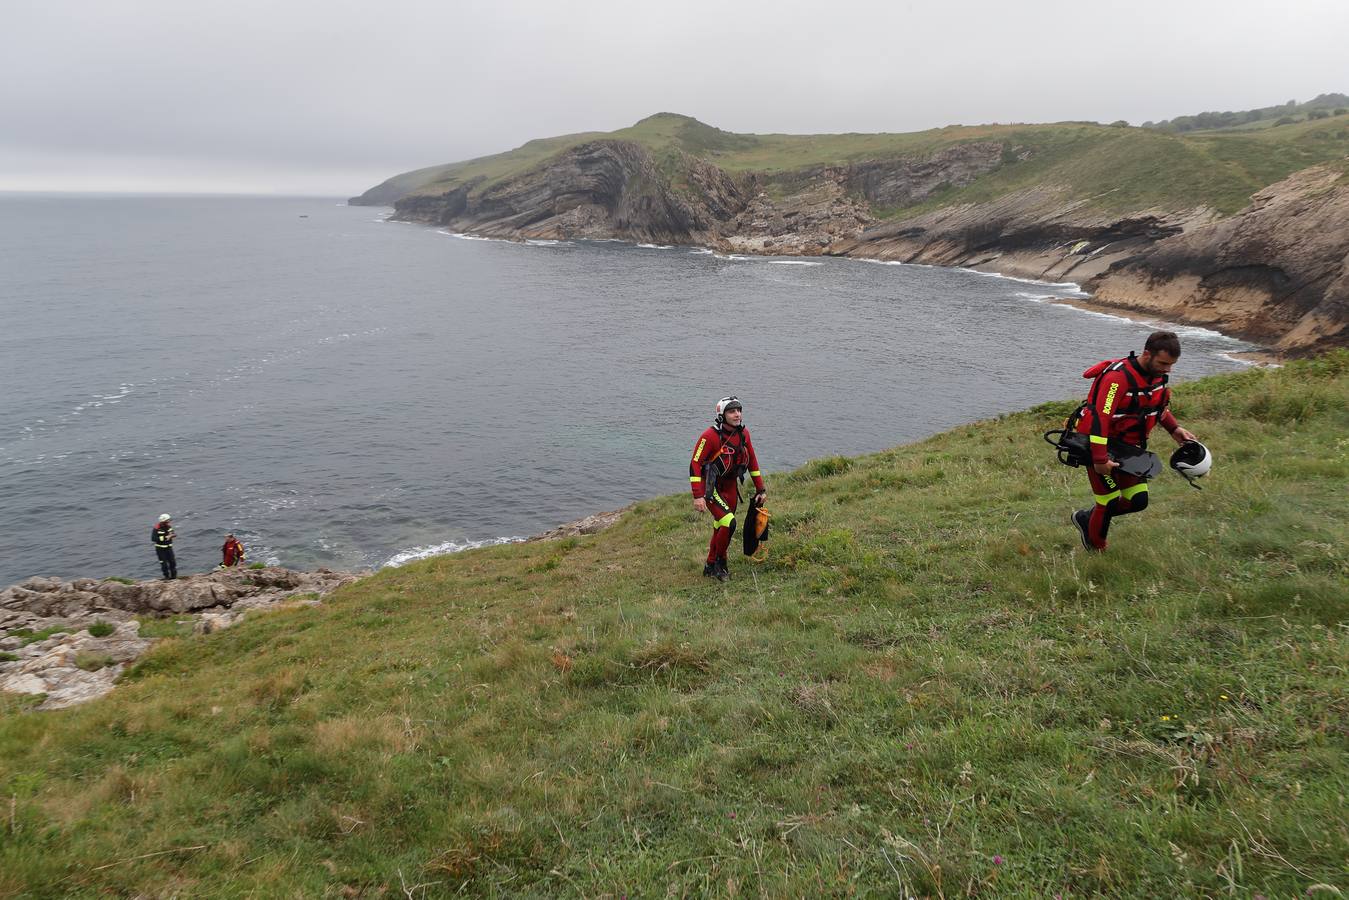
{"points": [[51, 666], [588, 525]]}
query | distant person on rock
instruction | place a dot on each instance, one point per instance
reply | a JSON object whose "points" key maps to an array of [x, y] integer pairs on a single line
{"points": [[232, 553], [162, 537], [721, 459], [1127, 398]]}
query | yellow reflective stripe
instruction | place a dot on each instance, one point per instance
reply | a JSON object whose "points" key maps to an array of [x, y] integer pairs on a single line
{"points": [[1133, 490], [694, 479], [1097, 439], [701, 444], [754, 474], [1103, 499], [726, 520]]}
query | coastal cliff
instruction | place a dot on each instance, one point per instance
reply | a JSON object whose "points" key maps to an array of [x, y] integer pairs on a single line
{"points": [[1146, 222]]}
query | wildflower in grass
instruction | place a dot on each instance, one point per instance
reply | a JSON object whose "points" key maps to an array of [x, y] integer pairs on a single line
{"points": [[1222, 697], [1166, 718], [997, 860]]}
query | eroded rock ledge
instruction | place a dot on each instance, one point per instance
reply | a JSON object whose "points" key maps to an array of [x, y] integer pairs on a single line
{"points": [[71, 640], [87, 630]]}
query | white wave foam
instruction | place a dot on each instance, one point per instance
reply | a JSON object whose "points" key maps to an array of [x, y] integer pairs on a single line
{"points": [[403, 557], [1184, 331], [98, 400], [734, 257], [1070, 285], [702, 251], [793, 262], [1247, 362], [1033, 298], [655, 246], [544, 242], [894, 262], [471, 237], [1195, 331]]}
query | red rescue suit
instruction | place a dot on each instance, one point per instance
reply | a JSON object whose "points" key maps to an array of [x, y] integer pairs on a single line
{"points": [[720, 458], [1125, 403], [232, 553]]}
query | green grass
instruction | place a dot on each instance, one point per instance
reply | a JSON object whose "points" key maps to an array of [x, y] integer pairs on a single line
{"points": [[91, 660], [926, 689], [29, 636], [101, 629]]}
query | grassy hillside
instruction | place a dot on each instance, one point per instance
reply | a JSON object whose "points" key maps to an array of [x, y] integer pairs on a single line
{"points": [[1320, 106], [1111, 168], [926, 689]]}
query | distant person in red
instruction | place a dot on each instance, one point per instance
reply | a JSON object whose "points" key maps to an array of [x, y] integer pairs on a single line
{"points": [[721, 458], [232, 552], [1127, 399], [162, 537]]}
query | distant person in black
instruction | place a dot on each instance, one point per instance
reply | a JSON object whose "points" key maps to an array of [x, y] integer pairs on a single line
{"points": [[162, 537]]}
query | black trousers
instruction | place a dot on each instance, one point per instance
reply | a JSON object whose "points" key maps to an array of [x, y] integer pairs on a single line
{"points": [[167, 564]]}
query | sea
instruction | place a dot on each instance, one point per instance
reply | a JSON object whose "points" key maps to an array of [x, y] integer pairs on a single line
{"points": [[341, 390]]}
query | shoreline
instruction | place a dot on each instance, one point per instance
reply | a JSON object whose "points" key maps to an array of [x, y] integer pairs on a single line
{"points": [[1259, 354]]}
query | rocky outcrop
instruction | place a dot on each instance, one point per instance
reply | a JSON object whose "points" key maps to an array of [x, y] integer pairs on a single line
{"points": [[600, 189], [1276, 272], [91, 631], [890, 183], [588, 525]]}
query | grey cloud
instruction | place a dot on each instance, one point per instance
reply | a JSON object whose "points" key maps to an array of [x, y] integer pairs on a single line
{"points": [[307, 95]]}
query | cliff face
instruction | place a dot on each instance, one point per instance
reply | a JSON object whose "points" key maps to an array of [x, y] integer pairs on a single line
{"points": [[1278, 271], [601, 189], [1275, 272]]}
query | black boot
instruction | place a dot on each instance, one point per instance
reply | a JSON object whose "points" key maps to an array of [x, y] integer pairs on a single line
{"points": [[723, 573], [1082, 519], [710, 570]]}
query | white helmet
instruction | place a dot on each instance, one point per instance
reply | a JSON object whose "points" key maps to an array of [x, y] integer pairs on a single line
{"points": [[725, 405], [165, 517], [1192, 460]]}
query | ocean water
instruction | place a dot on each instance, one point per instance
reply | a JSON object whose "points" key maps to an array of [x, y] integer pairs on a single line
{"points": [[344, 391]]}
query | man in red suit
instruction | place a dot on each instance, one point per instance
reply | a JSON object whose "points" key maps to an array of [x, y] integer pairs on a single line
{"points": [[722, 456], [1128, 398]]}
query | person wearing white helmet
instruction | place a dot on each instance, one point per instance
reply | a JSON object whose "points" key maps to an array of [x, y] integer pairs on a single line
{"points": [[162, 538], [1128, 397], [722, 457]]}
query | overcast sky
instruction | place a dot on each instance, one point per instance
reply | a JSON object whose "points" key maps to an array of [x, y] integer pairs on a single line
{"points": [[333, 96]]}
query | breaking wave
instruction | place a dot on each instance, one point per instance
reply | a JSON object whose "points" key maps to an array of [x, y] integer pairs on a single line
{"points": [[403, 557]]}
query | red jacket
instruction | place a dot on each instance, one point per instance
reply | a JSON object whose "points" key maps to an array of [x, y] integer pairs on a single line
{"points": [[1125, 403], [732, 448], [233, 552]]}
